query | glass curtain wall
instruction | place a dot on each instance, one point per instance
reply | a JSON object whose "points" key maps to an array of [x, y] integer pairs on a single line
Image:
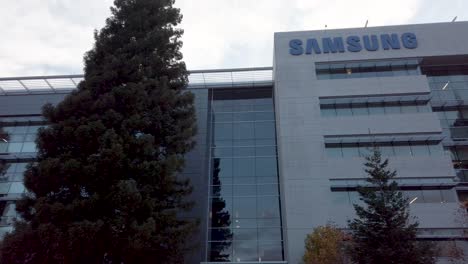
{"points": [[449, 88], [245, 216], [15, 152]]}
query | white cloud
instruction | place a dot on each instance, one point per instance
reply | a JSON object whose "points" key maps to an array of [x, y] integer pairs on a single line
{"points": [[41, 37]]}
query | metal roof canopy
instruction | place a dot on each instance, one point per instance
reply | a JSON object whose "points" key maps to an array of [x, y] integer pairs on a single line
{"points": [[241, 77]]}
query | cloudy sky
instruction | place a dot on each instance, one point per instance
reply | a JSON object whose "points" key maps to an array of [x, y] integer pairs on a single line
{"points": [[45, 37]]}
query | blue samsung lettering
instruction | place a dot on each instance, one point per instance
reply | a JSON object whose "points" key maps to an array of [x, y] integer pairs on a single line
{"points": [[390, 41], [295, 47], [409, 40], [371, 44], [354, 44], [312, 44], [333, 46]]}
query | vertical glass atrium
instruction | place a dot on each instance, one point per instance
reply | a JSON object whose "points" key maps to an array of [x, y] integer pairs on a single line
{"points": [[245, 217]]}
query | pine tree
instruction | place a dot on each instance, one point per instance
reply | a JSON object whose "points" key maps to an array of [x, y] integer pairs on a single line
{"points": [[105, 187], [384, 233]]}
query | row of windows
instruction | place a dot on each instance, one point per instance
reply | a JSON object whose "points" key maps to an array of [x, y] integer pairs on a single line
{"points": [[244, 190], [258, 142], [224, 210], [13, 172], [449, 85], [449, 95], [246, 250], [14, 130], [223, 181], [367, 69], [18, 147], [247, 105], [245, 167], [459, 153], [11, 188], [445, 71], [388, 150], [244, 151], [260, 234], [242, 116], [414, 196], [244, 130], [374, 109]]}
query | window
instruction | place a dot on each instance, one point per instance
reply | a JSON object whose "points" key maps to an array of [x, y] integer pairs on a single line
{"points": [[399, 149], [245, 214], [374, 109], [367, 69]]}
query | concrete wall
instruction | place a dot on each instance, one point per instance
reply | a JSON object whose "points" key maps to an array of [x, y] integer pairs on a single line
{"points": [[305, 170]]}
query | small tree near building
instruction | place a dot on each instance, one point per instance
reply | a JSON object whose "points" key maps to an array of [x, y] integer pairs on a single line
{"points": [[383, 231], [325, 245]]}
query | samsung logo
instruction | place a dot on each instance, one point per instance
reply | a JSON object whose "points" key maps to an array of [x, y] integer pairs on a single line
{"points": [[353, 44]]}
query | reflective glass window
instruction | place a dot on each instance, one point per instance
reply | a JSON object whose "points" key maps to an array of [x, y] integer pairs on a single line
{"points": [[264, 129], [334, 152], [245, 250], [420, 150], [243, 167], [360, 110], [340, 198], [269, 234], [402, 150], [220, 251], [268, 207], [432, 196], [270, 251], [448, 196], [244, 151], [245, 207], [265, 166], [267, 189], [344, 112], [328, 112], [243, 130], [245, 190], [350, 151]]}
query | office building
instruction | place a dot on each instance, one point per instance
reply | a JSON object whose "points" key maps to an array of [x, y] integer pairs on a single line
{"points": [[280, 149]]}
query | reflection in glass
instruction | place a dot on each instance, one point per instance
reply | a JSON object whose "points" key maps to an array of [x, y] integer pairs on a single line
{"points": [[244, 187], [220, 251]]}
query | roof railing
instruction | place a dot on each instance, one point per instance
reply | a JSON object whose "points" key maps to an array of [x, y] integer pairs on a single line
{"points": [[240, 77]]}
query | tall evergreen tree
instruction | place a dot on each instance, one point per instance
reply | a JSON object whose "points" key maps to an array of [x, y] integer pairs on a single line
{"points": [[105, 188], [383, 232]]}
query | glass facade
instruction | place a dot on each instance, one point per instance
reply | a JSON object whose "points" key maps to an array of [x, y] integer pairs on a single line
{"points": [[385, 108], [414, 196], [20, 139], [397, 149], [367, 69], [15, 151], [449, 90], [245, 215]]}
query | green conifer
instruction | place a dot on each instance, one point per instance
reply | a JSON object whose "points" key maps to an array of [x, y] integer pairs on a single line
{"points": [[383, 231], [105, 187]]}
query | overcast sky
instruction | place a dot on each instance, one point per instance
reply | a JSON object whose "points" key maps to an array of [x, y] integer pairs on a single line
{"points": [[45, 37]]}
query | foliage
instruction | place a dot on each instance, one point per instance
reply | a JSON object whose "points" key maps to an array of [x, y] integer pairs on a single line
{"points": [[382, 232], [105, 187], [325, 245]]}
